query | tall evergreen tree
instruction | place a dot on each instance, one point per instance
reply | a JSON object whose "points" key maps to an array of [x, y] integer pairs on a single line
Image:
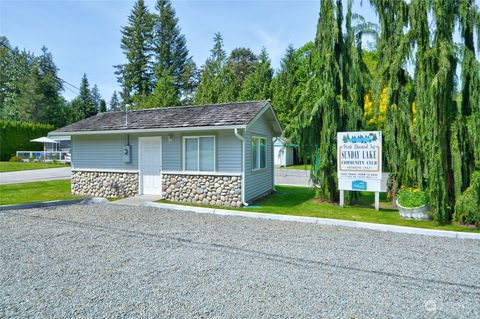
{"points": [[84, 102], [96, 97], [15, 70], [40, 100], [285, 92], [135, 76], [102, 106], [257, 85], [190, 78], [242, 63], [317, 123], [115, 104], [211, 84], [164, 94], [170, 49]]}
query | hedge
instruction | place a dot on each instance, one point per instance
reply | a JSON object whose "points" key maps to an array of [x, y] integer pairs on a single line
{"points": [[16, 136]]}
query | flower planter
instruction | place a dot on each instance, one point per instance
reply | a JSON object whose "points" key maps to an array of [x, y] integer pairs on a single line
{"points": [[420, 212]]}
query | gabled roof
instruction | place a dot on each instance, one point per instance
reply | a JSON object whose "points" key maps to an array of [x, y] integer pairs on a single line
{"points": [[235, 114]]}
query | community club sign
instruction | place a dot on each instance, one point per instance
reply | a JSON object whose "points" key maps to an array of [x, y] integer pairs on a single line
{"points": [[359, 155], [359, 163]]}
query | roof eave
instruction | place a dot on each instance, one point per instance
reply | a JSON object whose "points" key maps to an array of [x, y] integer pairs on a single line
{"points": [[152, 130]]}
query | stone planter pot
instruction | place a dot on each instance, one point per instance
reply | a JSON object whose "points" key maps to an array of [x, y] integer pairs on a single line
{"points": [[420, 212]]}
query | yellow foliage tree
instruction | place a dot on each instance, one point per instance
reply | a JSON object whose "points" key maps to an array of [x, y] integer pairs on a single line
{"points": [[375, 119]]}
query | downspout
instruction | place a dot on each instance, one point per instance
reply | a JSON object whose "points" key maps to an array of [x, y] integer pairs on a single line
{"points": [[240, 137], [273, 163]]}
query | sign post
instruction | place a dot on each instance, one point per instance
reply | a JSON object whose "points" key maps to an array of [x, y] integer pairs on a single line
{"points": [[359, 164]]}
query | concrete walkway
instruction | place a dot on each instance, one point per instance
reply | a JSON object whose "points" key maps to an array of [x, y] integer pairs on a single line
{"points": [[35, 175], [292, 177], [137, 200]]}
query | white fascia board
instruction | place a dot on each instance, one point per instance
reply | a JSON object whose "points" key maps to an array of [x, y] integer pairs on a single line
{"points": [[151, 130]]}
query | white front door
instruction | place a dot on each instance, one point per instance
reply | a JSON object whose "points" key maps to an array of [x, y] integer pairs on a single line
{"points": [[150, 164]]}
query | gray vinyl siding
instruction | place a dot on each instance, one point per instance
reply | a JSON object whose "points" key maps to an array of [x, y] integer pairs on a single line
{"points": [[260, 181], [172, 152], [105, 151], [102, 152], [229, 152]]}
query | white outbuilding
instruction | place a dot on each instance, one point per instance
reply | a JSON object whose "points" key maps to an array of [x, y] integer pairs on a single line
{"points": [[283, 152]]}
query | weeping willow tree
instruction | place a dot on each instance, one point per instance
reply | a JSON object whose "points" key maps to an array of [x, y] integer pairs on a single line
{"points": [[318, 120], [354, 79], [435, 106], [466, 128], [391, 77]]}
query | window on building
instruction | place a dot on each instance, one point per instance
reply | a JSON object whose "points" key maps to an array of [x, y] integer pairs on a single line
{"points": [[259, 152], [199, 153]]}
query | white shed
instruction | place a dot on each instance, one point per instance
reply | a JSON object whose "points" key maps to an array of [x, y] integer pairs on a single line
{"points": [[283, 153]]}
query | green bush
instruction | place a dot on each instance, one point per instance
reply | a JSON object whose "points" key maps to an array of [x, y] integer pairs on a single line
{"points": [[467, 207], [15, 159], [16, 136], [412, 197]]}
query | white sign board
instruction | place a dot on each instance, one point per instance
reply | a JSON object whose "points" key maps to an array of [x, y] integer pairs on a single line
{"points": [[359, 155], [369, 185]]}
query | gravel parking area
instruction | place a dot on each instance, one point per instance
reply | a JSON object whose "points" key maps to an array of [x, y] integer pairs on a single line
{"points": [[118, 261]]}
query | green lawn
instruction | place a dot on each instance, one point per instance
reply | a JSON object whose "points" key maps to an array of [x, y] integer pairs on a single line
{"points": [[303, 167], [35, 192], [299, 201], [22, 166]]}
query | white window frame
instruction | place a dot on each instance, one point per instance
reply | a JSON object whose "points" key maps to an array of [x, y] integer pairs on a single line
{"points": [[256, 166], [184, 148]]}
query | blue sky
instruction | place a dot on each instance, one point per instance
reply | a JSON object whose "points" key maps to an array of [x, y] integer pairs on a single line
{"points": [[84, 36]]}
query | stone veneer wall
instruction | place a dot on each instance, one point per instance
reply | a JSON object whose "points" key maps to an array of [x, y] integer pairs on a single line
{"points": [[104, 184], [203, 189]]}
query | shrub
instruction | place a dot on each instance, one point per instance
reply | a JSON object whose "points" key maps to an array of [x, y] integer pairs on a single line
{"points": [[412, 197], [16, 136], [467, 207], [15, 159]]}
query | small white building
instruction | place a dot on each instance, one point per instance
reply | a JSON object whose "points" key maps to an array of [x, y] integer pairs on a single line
{"points": [[283, 152]]}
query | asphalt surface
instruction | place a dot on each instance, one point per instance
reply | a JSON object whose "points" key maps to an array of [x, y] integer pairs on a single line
{"points": [[118, 261], [35, 175]]}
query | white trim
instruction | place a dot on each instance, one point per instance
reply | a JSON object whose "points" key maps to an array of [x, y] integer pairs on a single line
{"points": [[155, 130], [105, 170], [258, 151], [140, 179], [184, 153], [203, 173]]}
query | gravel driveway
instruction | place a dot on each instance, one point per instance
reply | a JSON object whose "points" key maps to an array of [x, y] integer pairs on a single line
{"points": [[118, 261]]}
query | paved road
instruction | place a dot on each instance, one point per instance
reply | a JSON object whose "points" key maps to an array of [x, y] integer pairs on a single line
{"points": [[35, 175], [123, 261]]}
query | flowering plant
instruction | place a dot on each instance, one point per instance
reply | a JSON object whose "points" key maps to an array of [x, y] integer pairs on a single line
{"points": [[412, 197]]}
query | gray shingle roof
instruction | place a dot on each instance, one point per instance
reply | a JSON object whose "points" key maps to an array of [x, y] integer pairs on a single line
{"points": [[238, 113]]}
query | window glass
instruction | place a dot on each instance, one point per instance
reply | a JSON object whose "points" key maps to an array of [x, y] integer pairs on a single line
{"points": [[207, 155], [263, 153], [191, 154], [254, 153]]}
